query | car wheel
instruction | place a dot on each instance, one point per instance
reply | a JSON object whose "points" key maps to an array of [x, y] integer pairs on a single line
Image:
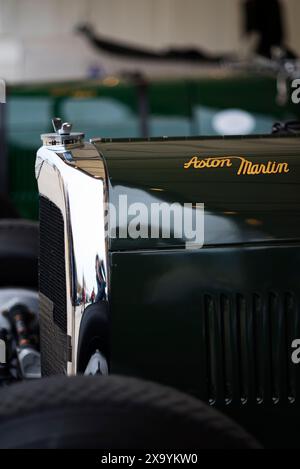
{"points": [[111, 412]]}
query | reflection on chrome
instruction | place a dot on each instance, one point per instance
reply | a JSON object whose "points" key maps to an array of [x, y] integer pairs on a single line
{"points": [[77, 185]]}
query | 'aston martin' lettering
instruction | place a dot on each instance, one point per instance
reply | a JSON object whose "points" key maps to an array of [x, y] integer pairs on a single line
{"points": [[245, 167]]}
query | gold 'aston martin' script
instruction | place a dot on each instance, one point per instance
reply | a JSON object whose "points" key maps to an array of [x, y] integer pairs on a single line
{"points": [[245, 167]]}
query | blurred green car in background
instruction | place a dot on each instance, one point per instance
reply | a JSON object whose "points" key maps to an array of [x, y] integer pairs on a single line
{"points": [[135, 108]]}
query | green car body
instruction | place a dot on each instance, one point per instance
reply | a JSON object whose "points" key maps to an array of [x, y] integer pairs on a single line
{"points": [[122, 108], [218, 321]]}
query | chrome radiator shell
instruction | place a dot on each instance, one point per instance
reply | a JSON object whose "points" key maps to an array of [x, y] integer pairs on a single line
{"points": [[75, 181]]}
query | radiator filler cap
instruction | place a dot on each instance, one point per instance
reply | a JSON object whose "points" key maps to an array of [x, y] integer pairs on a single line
{"points": [[62, 136]]}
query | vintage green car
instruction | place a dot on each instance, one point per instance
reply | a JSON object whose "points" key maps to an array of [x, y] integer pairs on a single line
{"points": [[115, 107], [212, 310]]}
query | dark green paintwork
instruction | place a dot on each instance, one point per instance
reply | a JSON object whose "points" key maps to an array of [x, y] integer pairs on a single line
{"points": [[175, 107], [158, 314], [217, 322], [238, 209]]}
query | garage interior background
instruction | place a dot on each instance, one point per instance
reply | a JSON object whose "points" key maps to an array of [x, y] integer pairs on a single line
{"points": [[37, 39], [220, 322], [52, 70]]}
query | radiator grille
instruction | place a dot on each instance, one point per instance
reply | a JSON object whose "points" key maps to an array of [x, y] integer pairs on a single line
{"points": [[53, 341], [52, 289], [247, 346]]}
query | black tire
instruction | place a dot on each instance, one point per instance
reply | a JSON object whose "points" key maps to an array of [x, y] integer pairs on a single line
{"points": [[111, 412], [19, 253]]}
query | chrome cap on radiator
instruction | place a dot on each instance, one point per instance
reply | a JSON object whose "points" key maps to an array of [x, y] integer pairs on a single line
{"points": [[63, 136], [73, 189]]}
